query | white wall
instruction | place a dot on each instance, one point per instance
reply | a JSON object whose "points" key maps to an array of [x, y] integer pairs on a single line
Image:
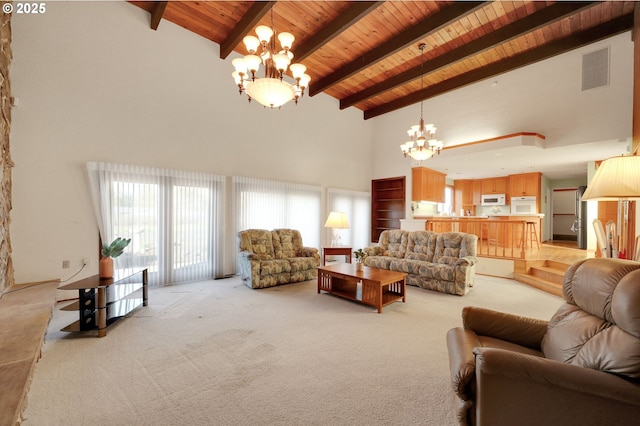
{"points": [[95, 83]]}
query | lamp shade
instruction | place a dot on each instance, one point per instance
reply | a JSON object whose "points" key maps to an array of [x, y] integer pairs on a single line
{"points": [[617, 178], [337, 220]]}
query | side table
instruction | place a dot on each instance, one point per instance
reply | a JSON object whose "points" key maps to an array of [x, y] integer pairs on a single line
{"points": [[102, 301], [336, 251]]}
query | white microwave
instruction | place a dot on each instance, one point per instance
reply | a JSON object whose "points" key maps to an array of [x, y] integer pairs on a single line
{"points": [[494, 199]]}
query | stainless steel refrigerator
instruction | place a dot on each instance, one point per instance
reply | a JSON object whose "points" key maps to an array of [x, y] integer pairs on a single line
{"points": [[580, 223]]}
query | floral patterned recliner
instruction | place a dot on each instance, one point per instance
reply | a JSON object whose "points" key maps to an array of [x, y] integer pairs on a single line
{"points": [[269, 258], [443, 262]]}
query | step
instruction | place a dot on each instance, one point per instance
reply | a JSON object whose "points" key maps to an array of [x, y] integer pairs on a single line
{"points": [[539, 283], [548, 274]]}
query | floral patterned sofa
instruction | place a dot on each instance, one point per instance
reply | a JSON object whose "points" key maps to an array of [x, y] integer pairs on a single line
{"points": [[269, 258], [444, 262]]}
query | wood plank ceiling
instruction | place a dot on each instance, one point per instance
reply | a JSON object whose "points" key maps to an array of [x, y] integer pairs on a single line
{"points": [[365, 53]]}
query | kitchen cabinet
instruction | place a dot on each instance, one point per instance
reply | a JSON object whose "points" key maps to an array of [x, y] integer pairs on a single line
{"points": [[477, 192], [462, 194], [440, 227], [387, 204], [427, 185], [525, 184], [497, 185]]}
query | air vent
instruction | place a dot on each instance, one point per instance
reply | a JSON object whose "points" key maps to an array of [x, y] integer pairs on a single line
{"points": [[595, 69]]}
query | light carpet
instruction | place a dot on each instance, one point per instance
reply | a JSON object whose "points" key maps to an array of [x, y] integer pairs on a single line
{"points": [[220, 353]]}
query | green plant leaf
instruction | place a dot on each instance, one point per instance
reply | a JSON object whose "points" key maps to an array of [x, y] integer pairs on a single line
{"points": [[116, 248]]}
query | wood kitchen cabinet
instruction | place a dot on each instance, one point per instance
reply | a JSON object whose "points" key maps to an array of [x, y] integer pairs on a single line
{"points": [[427, 185], [496, 185], [477, 192], [525, 184], [465, 196]]}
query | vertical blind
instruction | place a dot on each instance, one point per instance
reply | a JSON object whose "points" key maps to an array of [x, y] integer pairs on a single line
{"points": [[357, 206], [266, 204], [172, 217]]}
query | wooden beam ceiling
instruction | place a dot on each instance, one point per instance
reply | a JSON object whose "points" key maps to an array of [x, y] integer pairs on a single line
{"points": [[353, 14], [410, 35], [608, 29], [157, 13], [247, 23], [531, 22], [364, 53]]}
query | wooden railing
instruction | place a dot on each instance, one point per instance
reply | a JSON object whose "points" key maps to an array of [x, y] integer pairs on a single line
{"points": [[496, 238]]}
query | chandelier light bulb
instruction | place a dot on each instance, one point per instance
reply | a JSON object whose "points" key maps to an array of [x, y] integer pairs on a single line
{"points": [[286, 40], [304, 80], [239, 65], [297, 70], [282, 63], [251, 43], [253, 63], [264, 34], [237, 77]]}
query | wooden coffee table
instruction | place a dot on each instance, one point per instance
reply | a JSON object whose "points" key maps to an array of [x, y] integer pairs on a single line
{"points": [[372, 286]]}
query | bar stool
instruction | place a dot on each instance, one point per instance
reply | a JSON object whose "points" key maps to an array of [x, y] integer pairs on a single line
{"points": [[529, 234]]}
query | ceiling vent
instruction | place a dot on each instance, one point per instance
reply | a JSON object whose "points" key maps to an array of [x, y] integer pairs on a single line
{"points": [[595, 69]]}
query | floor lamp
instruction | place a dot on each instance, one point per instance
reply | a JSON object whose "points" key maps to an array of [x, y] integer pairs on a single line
{"points": [[617, 179], [336, 220]]}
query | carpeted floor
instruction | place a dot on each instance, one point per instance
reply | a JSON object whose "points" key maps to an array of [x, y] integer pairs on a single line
{"points": [[219, 353]]}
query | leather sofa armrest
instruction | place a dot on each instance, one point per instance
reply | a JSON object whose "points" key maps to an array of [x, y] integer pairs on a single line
{"points": [[512, 328], [549, 391], [462, 363]]}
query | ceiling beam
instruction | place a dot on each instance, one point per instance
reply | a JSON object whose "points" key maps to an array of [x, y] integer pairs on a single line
{"points": [[157, 13], [353, 14], [509, 32], [427, 26], [245, 25], [608, 29]]}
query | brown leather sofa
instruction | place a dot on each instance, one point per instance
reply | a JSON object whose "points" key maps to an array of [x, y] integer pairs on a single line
{"points": [[580, 368]]}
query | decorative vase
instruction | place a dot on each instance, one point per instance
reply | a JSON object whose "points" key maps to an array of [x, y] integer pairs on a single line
{"points": [[106, 267], [359, 267]]}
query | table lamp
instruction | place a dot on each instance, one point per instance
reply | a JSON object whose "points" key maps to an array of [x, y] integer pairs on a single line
{"points": [[336, 220], [617, 179]]}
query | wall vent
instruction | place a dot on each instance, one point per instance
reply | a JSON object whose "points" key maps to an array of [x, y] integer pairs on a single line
{"points": [[595, 69]]}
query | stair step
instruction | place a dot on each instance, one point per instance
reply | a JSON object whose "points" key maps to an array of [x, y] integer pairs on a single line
{"points": [[540, 283], [547, 273], [556, 265]]}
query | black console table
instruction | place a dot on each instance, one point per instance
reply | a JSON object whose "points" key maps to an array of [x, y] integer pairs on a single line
{"points": [[103, 301]]}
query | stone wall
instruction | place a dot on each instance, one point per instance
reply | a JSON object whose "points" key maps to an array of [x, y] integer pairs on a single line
{"points": [[6, 266]]}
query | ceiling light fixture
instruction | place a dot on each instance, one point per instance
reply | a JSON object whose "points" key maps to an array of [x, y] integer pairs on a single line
{"points": [[422, 144], [271, 90]]}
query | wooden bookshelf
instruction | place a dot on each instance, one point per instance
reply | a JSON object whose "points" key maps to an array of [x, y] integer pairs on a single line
{"points": [[387, 204]]}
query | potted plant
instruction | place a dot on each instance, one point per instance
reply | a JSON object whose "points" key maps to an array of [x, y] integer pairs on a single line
{"points": [[359, 255], [109, 252]]}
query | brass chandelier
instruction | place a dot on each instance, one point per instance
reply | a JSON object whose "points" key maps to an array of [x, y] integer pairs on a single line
{"points": [[422, 143], [272, 90]]}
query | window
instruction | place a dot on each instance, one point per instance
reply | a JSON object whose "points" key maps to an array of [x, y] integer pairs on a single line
{"points": [[357, 206], [171, 217], [265, 204]]}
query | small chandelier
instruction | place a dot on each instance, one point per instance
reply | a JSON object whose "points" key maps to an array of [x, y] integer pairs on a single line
{"points": [[271, 90], [422, 143]]}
